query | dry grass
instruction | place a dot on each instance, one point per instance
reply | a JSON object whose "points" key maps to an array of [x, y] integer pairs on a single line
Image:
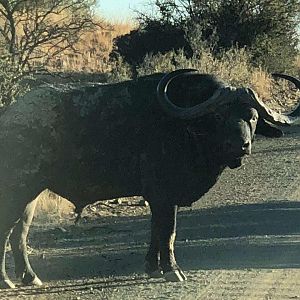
{"points": [[232, 66], [261, 83], [52, 207], [297, 64], [92, 50]]}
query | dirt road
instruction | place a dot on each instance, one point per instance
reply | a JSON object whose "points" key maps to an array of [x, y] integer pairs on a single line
{"points": [[241, 241]]}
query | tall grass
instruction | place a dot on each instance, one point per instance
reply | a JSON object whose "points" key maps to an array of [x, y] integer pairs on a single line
{"points": [[92, 50], [232, 66], [52, 207]]}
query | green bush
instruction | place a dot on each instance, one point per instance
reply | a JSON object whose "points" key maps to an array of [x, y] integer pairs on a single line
{"points": [[274, 54], [268, 29]]}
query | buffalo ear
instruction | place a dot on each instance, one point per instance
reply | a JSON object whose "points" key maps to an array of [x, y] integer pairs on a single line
{"points": [[267, 129]]}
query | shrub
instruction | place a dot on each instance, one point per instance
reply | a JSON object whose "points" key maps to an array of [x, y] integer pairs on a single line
{"points": [[10, 84], [233, 65], [153, 38], [120, 70], [267, 28]]}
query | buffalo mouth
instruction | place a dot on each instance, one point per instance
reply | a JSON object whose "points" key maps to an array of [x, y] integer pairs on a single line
{"points": [[235, 162]]}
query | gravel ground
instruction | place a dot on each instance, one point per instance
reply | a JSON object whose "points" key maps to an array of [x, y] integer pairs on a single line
{"points": [[240, 241]]}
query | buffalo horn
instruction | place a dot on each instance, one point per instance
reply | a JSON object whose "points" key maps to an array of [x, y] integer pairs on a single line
{"points": [[221, 95], [296, 82], [269, 114]]}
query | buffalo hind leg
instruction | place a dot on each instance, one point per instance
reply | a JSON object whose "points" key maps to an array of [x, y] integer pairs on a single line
{"points": [[8, 218], [164, 224], [18, 241], [5, 282]]}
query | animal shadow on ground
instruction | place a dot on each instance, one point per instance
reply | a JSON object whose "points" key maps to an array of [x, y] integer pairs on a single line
{"points": [[230, 237], [260, 236]]}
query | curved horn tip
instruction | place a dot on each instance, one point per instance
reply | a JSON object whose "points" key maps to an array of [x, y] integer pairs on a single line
{"points": [[296, 112], [270, 115], [290, 78]]}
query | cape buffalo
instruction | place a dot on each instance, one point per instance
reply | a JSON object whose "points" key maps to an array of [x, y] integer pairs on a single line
{"points": [[166, 137]]}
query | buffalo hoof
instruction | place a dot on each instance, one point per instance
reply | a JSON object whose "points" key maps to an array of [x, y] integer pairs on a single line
{"points": [[175, 276], [153, 270], [156, 274], [6, 284], [29, 280]]}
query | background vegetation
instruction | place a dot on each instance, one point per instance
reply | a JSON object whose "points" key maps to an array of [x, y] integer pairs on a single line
{"points": [[265, 28], [240, 40]]}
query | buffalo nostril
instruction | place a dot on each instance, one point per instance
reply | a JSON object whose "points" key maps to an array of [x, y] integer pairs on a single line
{"points": [[246, 146], [237, 147]]}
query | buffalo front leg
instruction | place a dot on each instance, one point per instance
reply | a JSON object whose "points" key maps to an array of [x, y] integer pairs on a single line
{"points": [[18, 241], [152, 266], [164, 226]]}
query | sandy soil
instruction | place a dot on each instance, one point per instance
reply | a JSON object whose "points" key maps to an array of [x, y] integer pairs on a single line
{"points": [[241, 241]]}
